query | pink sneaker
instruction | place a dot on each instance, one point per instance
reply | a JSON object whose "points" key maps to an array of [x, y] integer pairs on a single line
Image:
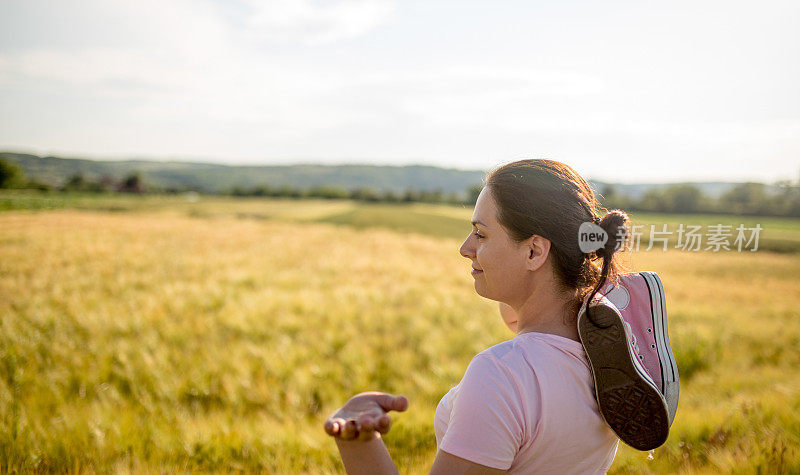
{"points": [[629, 400], [639, 297]]}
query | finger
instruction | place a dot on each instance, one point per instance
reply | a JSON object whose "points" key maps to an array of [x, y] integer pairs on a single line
{"points": [[393, 403], [339, 423], [365, 426], [400, 403], [349, 430], [331, 427], [383, 424], [365, 423]]}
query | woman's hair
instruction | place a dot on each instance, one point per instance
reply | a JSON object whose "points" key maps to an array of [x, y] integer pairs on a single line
{"points": [[549, 199]]}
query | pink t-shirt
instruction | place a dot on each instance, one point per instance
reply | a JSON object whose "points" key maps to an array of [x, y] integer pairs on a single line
{"points": [[527, 405]]}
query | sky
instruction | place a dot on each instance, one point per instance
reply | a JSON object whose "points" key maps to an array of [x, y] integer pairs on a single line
{"points": [[623, 91]]}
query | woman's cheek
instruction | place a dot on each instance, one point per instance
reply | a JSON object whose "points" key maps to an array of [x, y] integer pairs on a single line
{"points": [[482, 255]]}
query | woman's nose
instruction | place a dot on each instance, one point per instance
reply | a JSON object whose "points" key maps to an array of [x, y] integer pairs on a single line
{"points": [[466, 249]]}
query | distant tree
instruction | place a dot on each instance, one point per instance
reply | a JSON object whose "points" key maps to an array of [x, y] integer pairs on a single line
{"points": [[410, 196], [746, 198], [673, 199], [174, 190], [76, 182], [11, 175], [238, 191], [263, 190], [609, 191], [106, 183], [365, 194], [390, 196], [453, 198], [608, 197], [79, 182], [787, 200], [472, 194], [289, 192], [683, 199], [38, 185], [132, 183], [431, 196], [327, 192], [653, 200]]}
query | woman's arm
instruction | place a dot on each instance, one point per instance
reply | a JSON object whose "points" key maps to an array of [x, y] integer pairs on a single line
{"points": [[372, 458], [366, 457], [357, 428], [446, 464]]}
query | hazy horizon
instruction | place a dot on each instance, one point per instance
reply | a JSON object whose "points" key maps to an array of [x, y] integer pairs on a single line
{"points": [[795, 179]]}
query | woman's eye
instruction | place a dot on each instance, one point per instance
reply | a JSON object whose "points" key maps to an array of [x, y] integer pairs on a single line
{"points": [[478, 235]]}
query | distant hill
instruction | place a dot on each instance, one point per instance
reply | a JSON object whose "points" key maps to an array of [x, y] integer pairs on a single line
{"points": [[711, 189], [214, 178]]}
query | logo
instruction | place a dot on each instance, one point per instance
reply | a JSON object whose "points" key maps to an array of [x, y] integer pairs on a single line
{"points": [[619, 296], [591, 237]]}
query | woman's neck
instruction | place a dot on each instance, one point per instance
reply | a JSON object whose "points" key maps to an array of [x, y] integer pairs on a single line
{"points": [[548, 312]]}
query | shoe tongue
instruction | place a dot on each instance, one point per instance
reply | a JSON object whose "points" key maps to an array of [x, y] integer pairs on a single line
{"points": [[631, 336]]}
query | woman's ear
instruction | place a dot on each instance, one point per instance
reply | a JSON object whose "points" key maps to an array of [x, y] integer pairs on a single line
{"points": [[538, 249]]}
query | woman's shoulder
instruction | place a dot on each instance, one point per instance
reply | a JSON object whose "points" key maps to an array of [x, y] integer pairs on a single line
{"points": [[533, 359], [525, 346]]}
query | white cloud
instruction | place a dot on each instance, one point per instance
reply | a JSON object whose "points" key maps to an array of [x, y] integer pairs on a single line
{"points": [[95, 68], [99, 47], [306, 21]]}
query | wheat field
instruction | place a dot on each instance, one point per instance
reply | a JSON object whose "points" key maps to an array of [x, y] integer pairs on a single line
{"points": [[188, 339]]}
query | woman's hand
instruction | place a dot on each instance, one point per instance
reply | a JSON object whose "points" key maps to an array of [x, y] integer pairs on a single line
{"points": [[364, 415]]}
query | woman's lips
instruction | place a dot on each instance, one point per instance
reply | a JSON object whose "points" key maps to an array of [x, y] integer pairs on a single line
{"points": [[476, 271]]}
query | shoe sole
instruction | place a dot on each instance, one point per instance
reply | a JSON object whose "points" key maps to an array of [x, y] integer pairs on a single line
{"points": [[669, 368], [628, 400]]}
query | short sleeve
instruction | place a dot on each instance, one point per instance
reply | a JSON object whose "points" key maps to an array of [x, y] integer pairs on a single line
{"points": [[486, 421]]}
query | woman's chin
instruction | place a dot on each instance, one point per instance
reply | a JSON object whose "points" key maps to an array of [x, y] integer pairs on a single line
{"points": [[480, 289]]}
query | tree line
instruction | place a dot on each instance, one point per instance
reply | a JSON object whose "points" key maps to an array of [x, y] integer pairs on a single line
{"points": [[743, 199], [367, 194], [12, 176], [751, 198]]}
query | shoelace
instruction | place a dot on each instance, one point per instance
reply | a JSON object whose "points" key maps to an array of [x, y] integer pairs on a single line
{"points": [[633, 340]]}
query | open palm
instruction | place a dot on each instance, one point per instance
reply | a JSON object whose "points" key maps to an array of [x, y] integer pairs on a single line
{"points": [[364, 415]]}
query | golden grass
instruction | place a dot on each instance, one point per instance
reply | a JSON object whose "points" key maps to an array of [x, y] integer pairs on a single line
{"points": [[152, 342]]}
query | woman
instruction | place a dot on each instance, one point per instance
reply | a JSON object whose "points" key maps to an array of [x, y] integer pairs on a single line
{"points": [[525, 405]]}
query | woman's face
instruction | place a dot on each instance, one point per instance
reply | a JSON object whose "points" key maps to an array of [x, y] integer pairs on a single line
{"points": [[498, 262]]}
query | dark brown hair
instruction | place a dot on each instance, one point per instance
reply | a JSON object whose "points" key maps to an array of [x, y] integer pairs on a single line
{"points": [[549, 199]]}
